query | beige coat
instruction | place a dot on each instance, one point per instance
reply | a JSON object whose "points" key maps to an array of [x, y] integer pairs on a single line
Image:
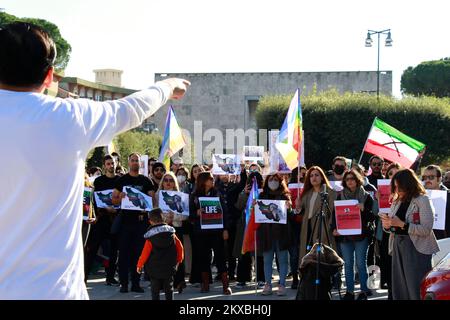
{"points": [[326, 228], [422, 235]]}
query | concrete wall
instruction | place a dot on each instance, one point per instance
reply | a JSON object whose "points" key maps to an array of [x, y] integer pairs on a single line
{"points": [[221, 100]]}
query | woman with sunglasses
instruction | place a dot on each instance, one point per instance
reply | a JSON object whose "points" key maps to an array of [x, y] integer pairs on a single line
{"points": [[169, 183], [412, 242], [210, 239], [356, 245]]}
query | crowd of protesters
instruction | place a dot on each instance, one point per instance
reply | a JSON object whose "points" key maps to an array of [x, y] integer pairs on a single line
{"points": [[401, 243]]}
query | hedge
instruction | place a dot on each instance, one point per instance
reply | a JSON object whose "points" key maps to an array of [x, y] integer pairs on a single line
{"points": [[338, 124]]}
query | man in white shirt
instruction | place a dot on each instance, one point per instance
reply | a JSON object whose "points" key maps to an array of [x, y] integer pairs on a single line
{"points": [[44, 144]]}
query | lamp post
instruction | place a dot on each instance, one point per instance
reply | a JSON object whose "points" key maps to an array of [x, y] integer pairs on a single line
{"points": [[388, 43]]}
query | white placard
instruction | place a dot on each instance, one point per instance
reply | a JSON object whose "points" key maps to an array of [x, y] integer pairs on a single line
{"points": [[103, 199], [143, 165], [270, 211], [439, 202], [336, 185], [136, 200], [253, 153], [173, 201], [226, 164]]}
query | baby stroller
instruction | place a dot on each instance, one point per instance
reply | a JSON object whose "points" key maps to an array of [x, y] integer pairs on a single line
{"points": [[330, 264]]}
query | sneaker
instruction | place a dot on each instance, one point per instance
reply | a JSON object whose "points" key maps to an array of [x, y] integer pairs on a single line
{"points": [[349, 296], [369, 293], [281, 290], [137, 289], [267, 290], [261, 284], [123, 289], [112, 282], [362, 296], [241, 285]]}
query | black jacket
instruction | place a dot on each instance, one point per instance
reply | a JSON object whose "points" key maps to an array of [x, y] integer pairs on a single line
{"points": [[268, 232], [194, 205], [162, 263]]}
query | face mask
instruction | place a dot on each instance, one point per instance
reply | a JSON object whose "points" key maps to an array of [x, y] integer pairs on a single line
{"points": [[181, 179], [338, 169], [274, 185]]}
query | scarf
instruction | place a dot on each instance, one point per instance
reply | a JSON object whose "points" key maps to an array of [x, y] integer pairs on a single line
{"points": [[359, 194]]}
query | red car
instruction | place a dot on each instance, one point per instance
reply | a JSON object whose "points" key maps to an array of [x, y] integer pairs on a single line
{"points": [[436, 284]]}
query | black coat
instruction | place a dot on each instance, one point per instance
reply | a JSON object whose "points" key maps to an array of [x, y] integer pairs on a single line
{"points": [[194, 205], [268, 232], [162, 263]]}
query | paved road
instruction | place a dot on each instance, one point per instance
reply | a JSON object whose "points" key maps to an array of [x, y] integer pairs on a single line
{"points": [[99, 291]]}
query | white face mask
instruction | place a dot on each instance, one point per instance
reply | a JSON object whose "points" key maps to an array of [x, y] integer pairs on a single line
{"points": [[274, 185], [181, 179]]}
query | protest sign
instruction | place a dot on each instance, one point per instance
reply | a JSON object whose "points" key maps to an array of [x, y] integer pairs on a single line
{"points": [[136, 200], [294, 189], [212, 213], [277, 163], [143, 165], [271, 211], [348, 217], [226, 164], [253, 154], [173, 201], [384, 190], [87, 203], [439, 201], [103, 199]]}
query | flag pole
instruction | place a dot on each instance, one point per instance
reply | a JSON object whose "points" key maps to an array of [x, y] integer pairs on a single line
{"points": [[365, 144], [256, 268]]}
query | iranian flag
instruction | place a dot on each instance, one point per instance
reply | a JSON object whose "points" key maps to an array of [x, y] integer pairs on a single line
{"points": [[391, 144]]}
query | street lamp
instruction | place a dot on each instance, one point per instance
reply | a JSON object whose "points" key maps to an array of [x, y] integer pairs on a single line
{"points": [[388, 43]]}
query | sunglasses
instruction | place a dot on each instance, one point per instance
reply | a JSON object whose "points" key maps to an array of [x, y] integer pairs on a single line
{"points": [[169, 180], [430, 177]]}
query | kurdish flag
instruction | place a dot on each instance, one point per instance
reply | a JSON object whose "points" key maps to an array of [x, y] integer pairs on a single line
{"points": [[248, 245], [173, 140], [290, 138], [391, 144]]}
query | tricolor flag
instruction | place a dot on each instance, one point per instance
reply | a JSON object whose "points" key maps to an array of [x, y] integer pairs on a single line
{"points": [[290, 138], [173, 140], [248, 245], [391, 144]]}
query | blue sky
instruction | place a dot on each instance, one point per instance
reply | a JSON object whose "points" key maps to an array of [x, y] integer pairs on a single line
{"points": [[144, 37]]}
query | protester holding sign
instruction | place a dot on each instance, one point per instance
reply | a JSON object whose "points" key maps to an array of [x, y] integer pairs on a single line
{"points": [[355, 245], [411, 241], [244, 266], [173, 218], [432, 179], [208, 239], [275, 238], [309, 205], [101, 230], [229, 191], [133, 225]]}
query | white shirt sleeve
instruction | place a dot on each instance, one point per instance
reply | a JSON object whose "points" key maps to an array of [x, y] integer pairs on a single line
{"points": [[101, 121]]}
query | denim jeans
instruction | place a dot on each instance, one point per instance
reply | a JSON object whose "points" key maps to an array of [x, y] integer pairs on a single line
{"points": [[282, 259], [349, 250]]}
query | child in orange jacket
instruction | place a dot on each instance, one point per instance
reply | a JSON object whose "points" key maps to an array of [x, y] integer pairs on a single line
{"points": [[161, 255]]}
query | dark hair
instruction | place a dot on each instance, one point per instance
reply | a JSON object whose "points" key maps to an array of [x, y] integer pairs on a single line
{"points": [[200, 189], [206, 167], [435, 167], [27, 53], [106, 158], [152, 159], [185, 170], [340, 158], [259, 179], [408, 182], [358, 178], [158, 165], [394, 165], [359, 168], [308, 186], [283, 189], [191, 175], [375, 157], [93, 170], [156, 216]]}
